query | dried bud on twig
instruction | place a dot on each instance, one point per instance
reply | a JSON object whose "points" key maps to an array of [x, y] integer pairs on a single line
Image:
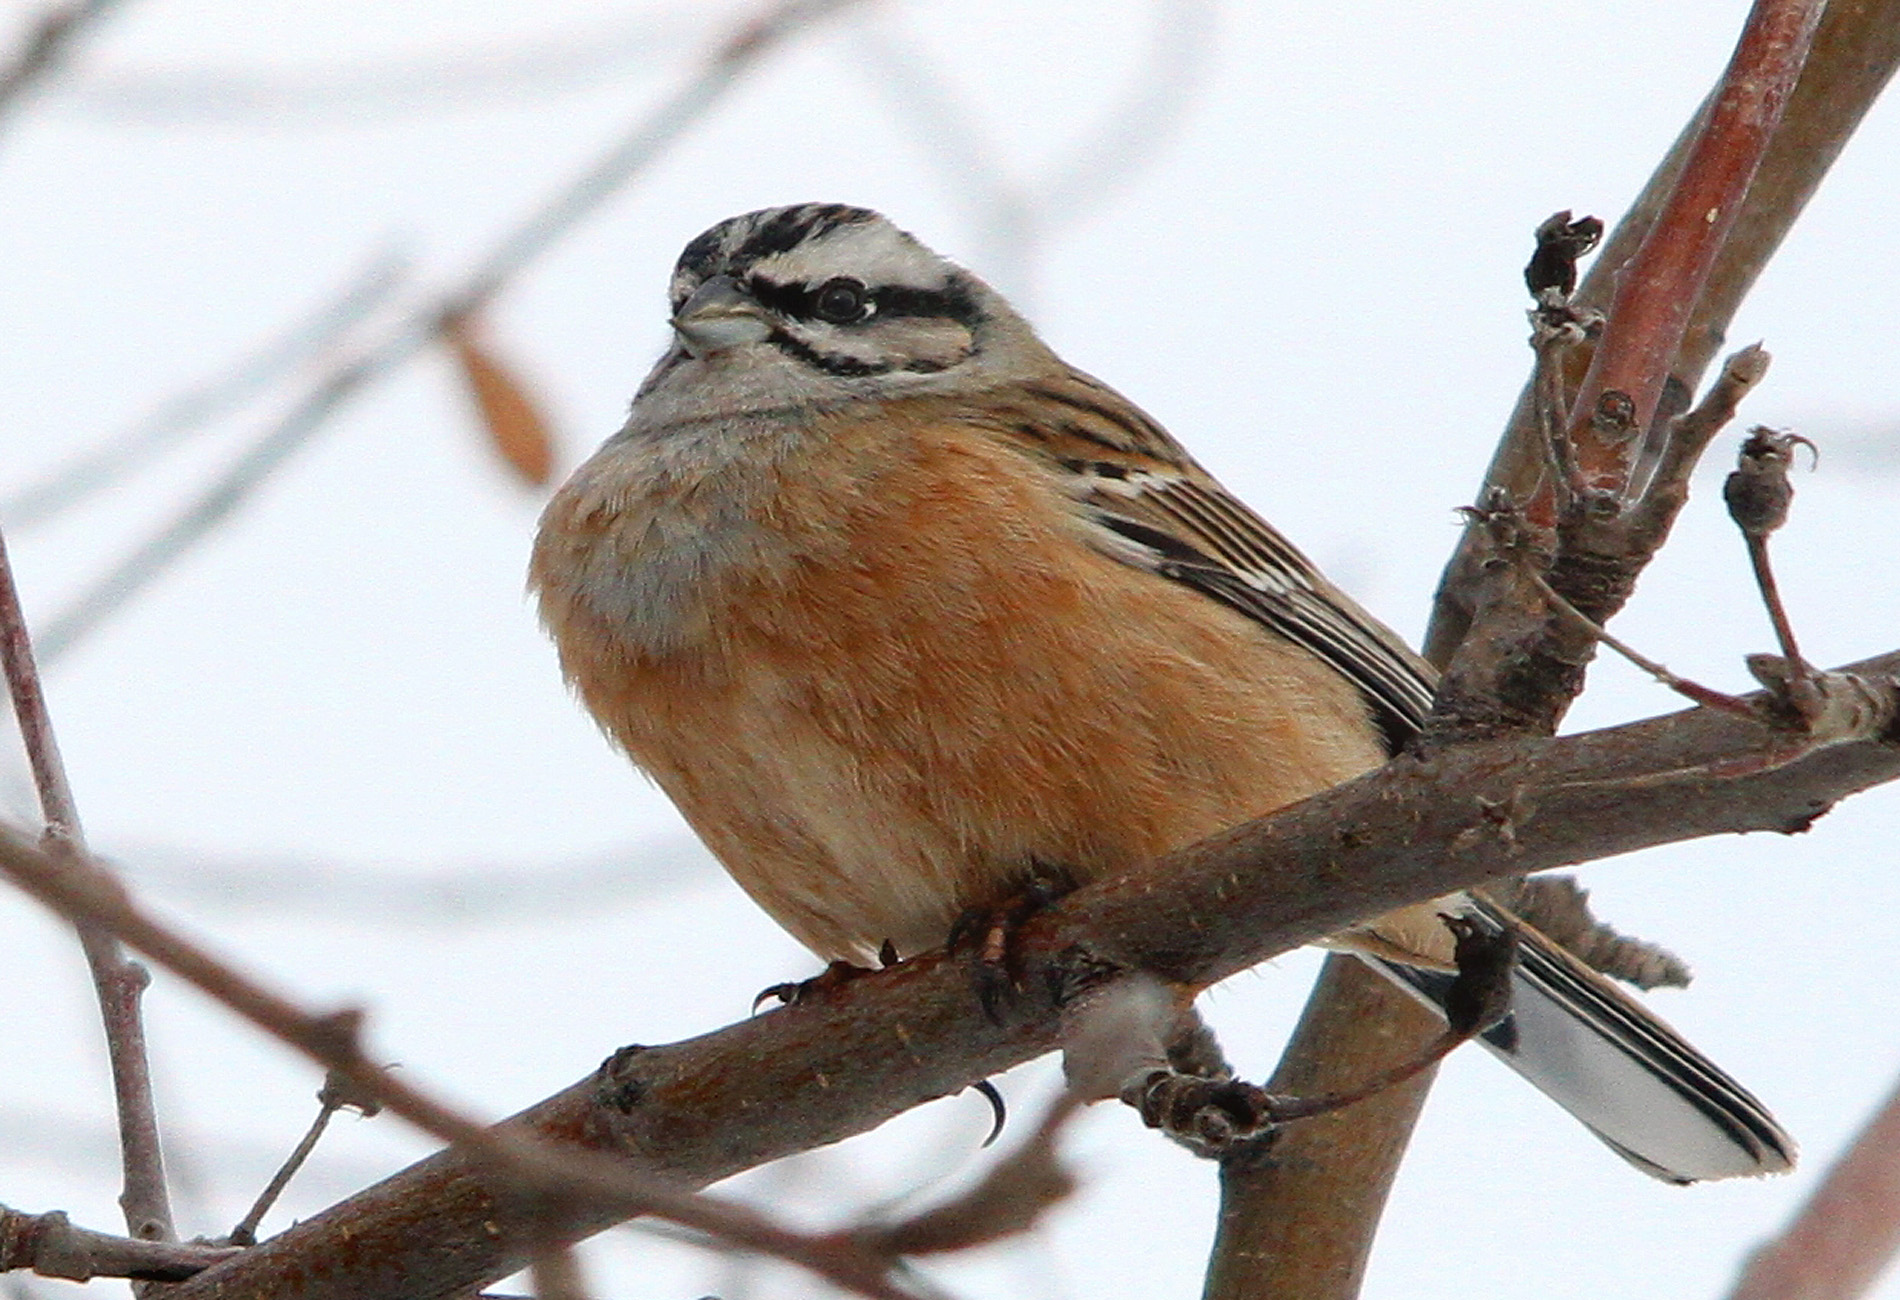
{"points": [[1561, 242], [1758, 493]]}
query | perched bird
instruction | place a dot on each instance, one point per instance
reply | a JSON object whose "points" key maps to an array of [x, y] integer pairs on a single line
{"points": [[898, 607]]}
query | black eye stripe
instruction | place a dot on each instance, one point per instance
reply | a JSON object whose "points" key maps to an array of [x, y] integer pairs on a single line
{"points": [[952, 302], [798, 301], [792, 300]]}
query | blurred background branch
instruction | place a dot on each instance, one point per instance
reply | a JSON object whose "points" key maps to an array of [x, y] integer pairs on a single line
{"points": [[49, 40]]}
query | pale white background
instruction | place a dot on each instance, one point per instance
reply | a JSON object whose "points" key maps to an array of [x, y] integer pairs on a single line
{"points": [[333, 741]]}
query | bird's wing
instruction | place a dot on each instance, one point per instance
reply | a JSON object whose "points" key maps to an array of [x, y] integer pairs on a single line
{"points": [[1154, 508]]}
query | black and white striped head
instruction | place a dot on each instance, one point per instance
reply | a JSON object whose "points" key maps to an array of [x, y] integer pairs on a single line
{"points": [[836, 300]]}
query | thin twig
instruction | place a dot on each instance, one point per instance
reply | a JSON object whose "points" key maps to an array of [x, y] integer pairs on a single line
{"points": [[453, 893], [1554, 334], [1012, 1198], [1153, 102], [1667, 489], [736, 55], [483, 73], [245, 1233], [223, 496], [1018, 207], [49, 1245], [1557, 328], [1682, 686], [119, 982], [1777, 610], [335, 1095]]}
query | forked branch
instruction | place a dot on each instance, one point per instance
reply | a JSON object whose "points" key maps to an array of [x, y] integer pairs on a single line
{"points": [[808, 1075]]}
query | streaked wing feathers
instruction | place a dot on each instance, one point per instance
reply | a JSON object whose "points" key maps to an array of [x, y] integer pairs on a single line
{"points": [[1164, 513]]}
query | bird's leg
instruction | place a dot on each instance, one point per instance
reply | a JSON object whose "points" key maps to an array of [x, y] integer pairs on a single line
{"points": [[1196, 1100], [990, 933]]}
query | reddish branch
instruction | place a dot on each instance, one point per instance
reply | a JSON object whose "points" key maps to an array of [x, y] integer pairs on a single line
{"points": [[1657, 290], [1853, 56]]}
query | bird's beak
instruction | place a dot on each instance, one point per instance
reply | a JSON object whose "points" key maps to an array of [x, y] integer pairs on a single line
{"points": [[719, 316]]}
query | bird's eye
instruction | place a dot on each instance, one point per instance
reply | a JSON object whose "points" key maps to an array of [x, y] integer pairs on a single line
{"points": [[841, 301]]}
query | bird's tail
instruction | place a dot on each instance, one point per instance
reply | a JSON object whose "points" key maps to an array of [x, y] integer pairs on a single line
{"points": [[1611, 1062]]}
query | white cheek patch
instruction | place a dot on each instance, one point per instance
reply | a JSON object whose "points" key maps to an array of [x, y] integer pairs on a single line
{"points": [[899, 344]]}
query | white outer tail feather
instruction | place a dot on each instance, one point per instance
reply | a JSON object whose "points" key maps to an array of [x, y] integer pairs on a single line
{"points": [[1617, 1067]]}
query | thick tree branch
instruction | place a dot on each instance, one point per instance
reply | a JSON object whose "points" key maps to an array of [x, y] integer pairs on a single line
{"points": [[697, 1111], [1282, 1206]]}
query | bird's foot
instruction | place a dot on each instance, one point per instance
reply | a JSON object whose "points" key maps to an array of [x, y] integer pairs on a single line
{"points": [[833, 977], [990, 934], [1208, 1116]]}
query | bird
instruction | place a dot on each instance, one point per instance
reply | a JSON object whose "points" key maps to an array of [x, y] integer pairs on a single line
{"points": [[901, 609]]}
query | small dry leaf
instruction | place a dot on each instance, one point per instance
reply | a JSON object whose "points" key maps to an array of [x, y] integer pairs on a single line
{"points": [[513, 420]]}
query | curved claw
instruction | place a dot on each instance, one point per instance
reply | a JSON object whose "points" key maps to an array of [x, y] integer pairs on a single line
{"points": [[995, 1099], [834, 976], [785, 993]]}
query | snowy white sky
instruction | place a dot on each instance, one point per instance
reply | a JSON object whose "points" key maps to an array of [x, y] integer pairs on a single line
{"points": [[333, 739]]}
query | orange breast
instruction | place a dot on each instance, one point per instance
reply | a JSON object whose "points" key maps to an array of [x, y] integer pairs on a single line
{"points": [[927, 682]]}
